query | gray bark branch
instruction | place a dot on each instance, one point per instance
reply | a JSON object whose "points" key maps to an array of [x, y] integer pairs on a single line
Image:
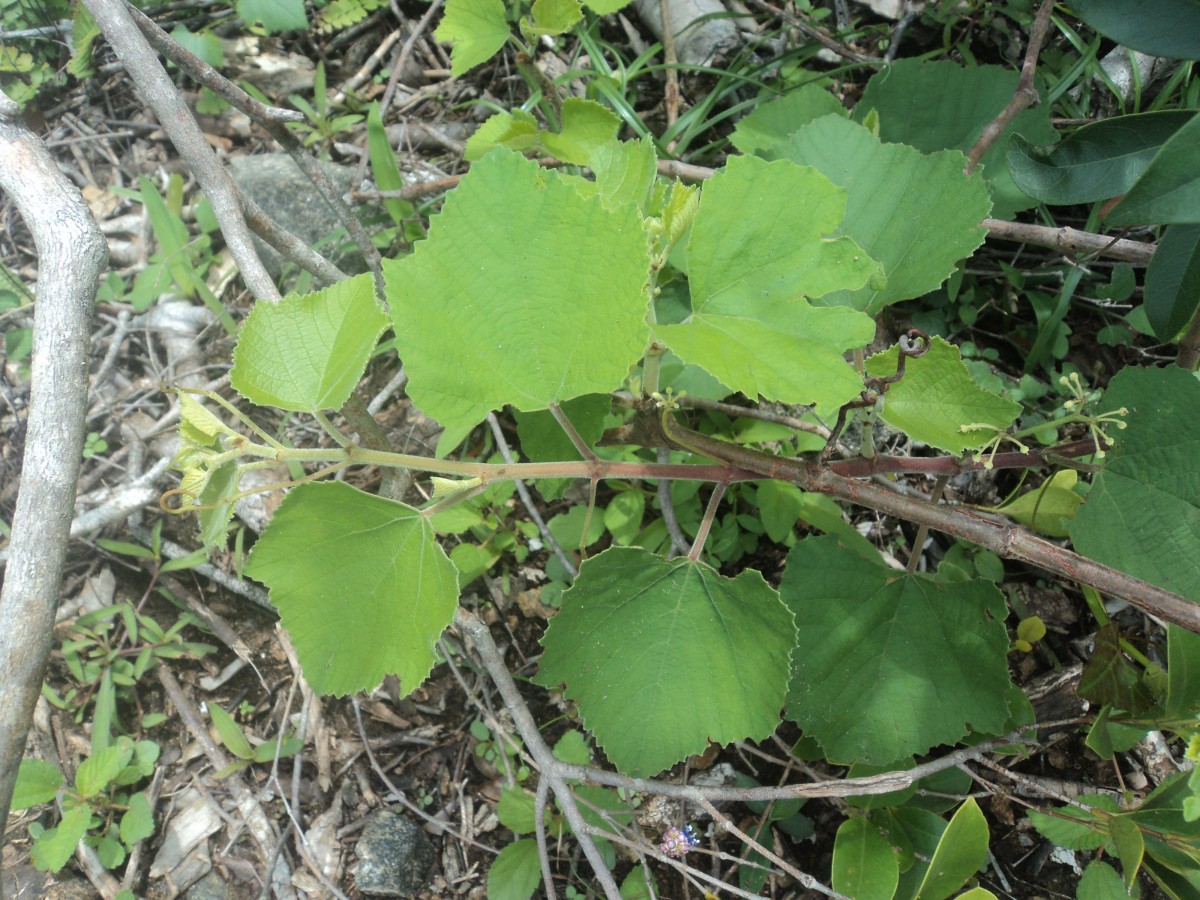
{"points": [[71, 256]]}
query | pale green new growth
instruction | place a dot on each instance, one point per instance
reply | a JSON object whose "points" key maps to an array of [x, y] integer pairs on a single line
{"points": [[306, 353], [934, 397], [750, 276], [549, 307]]}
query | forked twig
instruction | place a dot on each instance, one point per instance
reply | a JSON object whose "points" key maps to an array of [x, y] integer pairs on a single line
{"points": [[1024, 96]]}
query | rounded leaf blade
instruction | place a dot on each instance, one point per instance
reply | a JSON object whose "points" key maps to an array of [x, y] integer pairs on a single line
{"points": [[663, 656], [361, 585], [551, 307]]}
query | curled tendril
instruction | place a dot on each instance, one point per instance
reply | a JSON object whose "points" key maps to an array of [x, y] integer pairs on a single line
{"points": [[914, 342]]}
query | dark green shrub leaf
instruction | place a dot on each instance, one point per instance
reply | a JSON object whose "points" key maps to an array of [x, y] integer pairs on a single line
{"points": [[1183, 672], [1096, 162], [1173, 281], [961, 851], [1168, 193], [1157, 27], [940, 105], [864, 864], [1110, 679]]}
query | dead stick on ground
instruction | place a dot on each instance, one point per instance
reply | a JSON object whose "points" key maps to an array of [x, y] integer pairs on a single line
{"points": [[71, 256]]}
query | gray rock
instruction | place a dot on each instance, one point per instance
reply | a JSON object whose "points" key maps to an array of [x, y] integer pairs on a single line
{"points": [[275, 182], [212, 887], [394, 857]]}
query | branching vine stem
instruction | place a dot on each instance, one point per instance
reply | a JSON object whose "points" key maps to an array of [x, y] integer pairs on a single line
{"points": [[1005, 540]]}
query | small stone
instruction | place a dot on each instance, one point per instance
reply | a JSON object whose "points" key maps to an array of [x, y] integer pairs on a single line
{"points": [[394, 857]]}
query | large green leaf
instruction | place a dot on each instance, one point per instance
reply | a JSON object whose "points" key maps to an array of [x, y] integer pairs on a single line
{"points": [[1098, 161], [1168, 193], [477, 28], [1142, 514], [1173, 281], [361, 585], [890, 664], [549, 307], [768, 127], [663, 656], [1158, 27], [936, 395], [917, 214], [758, 248], [940, 105], [306, 353]]}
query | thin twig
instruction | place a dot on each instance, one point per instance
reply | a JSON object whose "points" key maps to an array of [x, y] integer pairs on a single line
{"points": [[817, 34], [1024, 96], [273, 120], [157, 90], [256, 819], [805, 879], [935, 496], [679, 541], [550, 766]]}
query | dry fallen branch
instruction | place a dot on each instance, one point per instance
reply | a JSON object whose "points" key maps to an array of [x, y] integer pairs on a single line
{"points": [[72, 255]]}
